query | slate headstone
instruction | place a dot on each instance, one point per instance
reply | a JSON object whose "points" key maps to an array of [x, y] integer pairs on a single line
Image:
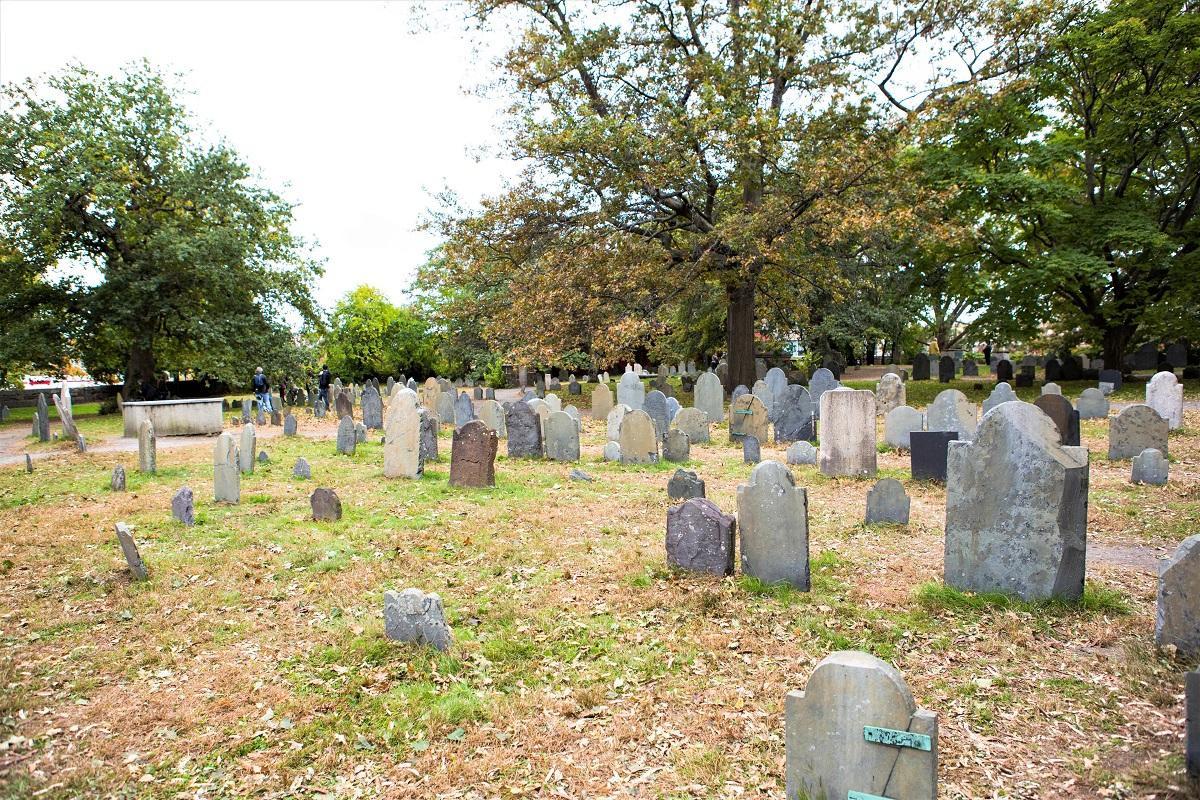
{"points": [[693, 422], [1149, 467], [524, 431], [888, 503], [247, 448], [326, 506], [794, 419], [227, 474], [684, 484], [920, 370], [709, 397], [928, 451], [822, 381], [1112, 376], [183, 507], [1092, 404], [946, 368], [631, 391], [133, 558], [347, 438], [751, 452], [801, 453], [1134, 429], [562, 437], [676, 446], [1192, 723], [700, 537], [952, 411], [464, 410], [429, 436], [372, 408], [1065, 417], [289, 425], [1177, 621], [773, 525], [899, 424], [416, 617], [302, 469], [1004, 370], [147, 448], [655, 405], [1002, 393]]}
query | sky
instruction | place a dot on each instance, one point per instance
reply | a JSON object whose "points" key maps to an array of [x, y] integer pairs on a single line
{"points": [[359, 112]]}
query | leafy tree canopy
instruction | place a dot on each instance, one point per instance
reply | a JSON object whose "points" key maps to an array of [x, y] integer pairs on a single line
{"points": [[369, 337]]}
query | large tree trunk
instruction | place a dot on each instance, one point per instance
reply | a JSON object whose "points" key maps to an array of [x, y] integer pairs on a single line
{"points": [[739, 333], [1116, 345], [140, 366]]}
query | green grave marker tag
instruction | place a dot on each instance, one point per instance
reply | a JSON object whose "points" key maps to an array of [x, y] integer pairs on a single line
{"points": [[895, 738], [853, 795]]}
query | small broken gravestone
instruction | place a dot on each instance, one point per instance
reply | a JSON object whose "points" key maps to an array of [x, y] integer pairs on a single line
{"points": [[1177, 621], [137, 568], [263, 458], [326, 507], [856, 732], [302, 469], [677, 446], [700, 537], [685, 484], [1149, 467], [799, 453], [887, 502], [183, 507], [414, 616], [118, 479]]}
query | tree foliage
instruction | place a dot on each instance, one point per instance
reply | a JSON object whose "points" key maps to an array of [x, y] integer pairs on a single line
{"points": [[369, 337]]}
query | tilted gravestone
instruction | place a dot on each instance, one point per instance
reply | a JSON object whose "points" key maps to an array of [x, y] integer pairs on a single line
{"points": [[684, 484], [602, 401], [709, 397], [183, 506], [402, 456], [700, 537], [793, 418], [801, 453], [638, 439], [147, 448], [920, 370], [952, 411], [562, 437], [416, 617], [631, 391], [1066, 418], [1092, 404], [889, 394], [289, 425], [326, 505], [887, 502], [227, 474], [927, 454], [655, 405], [1164, 393], [747, 417], [693, 422], [133, 558], [677, 447], [855, 731], [773, 524], [347, 438], [848, 433], [41, 419], [524, 431], [247, 448], [1178, 617], [117, 483], [1135, 429], [473, 456], [1016, 508], [1149, 467]]}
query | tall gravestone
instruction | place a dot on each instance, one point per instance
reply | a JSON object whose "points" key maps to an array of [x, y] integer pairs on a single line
{"points": [[1164, 393], [41, 420], [822, 381], [655, 405], [1016, 508], [602, 401], [763, 392], [1053, 371], [1136, 428], [445, 406], [709, 397], [747, 417], [793, 416], [248, 448], [491, 414], [1064, 415], [1192, 721], [920, 371], [638, 438], [889, 394], [343, 404], [473, 456], [1177, 621], [402, 456], [700, 537], [1004, 370], [429, 435], [347, 438], [147, 448], [562, 437], [464, 410], [946, 369], [227, 474], [372, 407], [524, 431], [773, 525], [631, 391], [776, 380], [952, 411], [848, 433]]}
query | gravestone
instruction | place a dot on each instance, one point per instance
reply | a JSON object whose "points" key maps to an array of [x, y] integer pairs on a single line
{"points": [[183, 507], [302, 469], [952, 411], [1176, 355], [1146, 356], [677, 446], [762, 391], [276, 418], [28, 463], [4, 413], [524, 431], [888, 503], [602, 401], [614, 421], [655, 405], [1064, 415], [342, 404], [1092, 404], [1002, 393], [402, 439], [970, 369], [927, 454], [673, 408], [1177, 621], [1164, 393], [848, 433], [562, 437], [709, 397], [631, 391], [946, 368], [612, 451], [464, 410], [801, 453], [227, 480], [700, 537], [360, 433], [491, 414], [776, 380], [347, 440], [738, 391], [473, 456], [247, 448], [41, 419], [1004, 370], [1149, 467], [747, 417], [684, 484], [326, 506], [889, 394], [773, 523], [920, 370], [899, 424], [372, 408], [793, 416], [319, 409], [1072, 369], [855, 731], [429, 436], [638, 439], [445, 406], [289, 425], [416, 617], [573, 387], [1053, 371], [751, 452], [1192, 721], [1112, 376], [1134, 429], [553, 402], [147, 448], [694, 422], [822, 381], [1016, 509], [1051, 388], [489, 393], [137, 567], [477, 393], [117, 482], [391, 383]]}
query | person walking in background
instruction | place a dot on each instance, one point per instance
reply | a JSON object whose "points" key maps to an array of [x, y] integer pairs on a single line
{"points": [[987, 352], [262, 391], [323, 385]]}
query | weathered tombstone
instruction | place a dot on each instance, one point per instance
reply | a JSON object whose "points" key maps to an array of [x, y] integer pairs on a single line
{"points": [[1192, 704], [117, 482], [464, 410], [1135, 429], [41, 419], [147, 448], [1092, 404], [694, 422], [1164, 393], [1112, 376], [302, 469], [614, 421], [372, 408], [684, 484], [677, 446], [1178, 619], [776, 381], [343, 405], [1066, 418], [429, 435], [1016, 508], [4, 413], [416, 617], [1053, 371], [319, 409], [326, 506], [1146, 356], [889, 393], [952, 411], [573, 387], [848, 433], [62, 402], [491, 414], [927, 453], [524, 431], [477, 393], [1072, 369], [347, 439], [445, 407], [762, 391], [602, 401], [562, 437], [553, 402], [856, 732], [638, 439], [1051, 388], [247, 448], [793, 416], [920, 369], [183, 507], [1004, 370], [946, 368], [773, 524], [137, 568], [227, 481], [700, 537], [801, 453], [887, 502], [970, 369], [402, 440], [738, 391], [1003, 393], [709, 397], [751, 452], [655, 405], [747, 417], [1149, 467], [28, 463], [1176, 355], [612, 451], [631, 391], [899, 424], [473, 456], [822, 381]]}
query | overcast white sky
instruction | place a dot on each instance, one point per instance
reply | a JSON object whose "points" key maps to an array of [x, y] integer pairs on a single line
{"points": [[354, 110]]}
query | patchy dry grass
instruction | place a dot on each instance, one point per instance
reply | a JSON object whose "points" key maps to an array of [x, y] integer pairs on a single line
{"points": [[253, 660]]}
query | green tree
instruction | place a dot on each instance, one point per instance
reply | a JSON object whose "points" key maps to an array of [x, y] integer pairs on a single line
{"points": [[369, 337], [178, 259]]}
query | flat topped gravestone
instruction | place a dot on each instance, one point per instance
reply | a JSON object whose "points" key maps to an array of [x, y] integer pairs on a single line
{"points": [[848, 433], [856, 732], [402, 456], [183, 506], [524, 430], [1016, 508], [700, 537], [473, 455], [709, 396], [416, 617], [137, 568], [227, 477], [773, 520], [1136, 428], [1178, 618], [638, 439], [326, 506], [888, 503], [684, 484], [1149, 467]]}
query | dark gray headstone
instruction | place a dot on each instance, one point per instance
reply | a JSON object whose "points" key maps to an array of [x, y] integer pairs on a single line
{"points": [[372, 408], [1053, 371], [684, 484], [676, 446], [1004, 371], [28, 463], [477, 393], [946, 368], [887, 502], [183, 507], [302, 469], [970, 369], [289, 425], [1065, 417], [1112, 376], [416, 617], [464, 410], [524, 431], [920, 370], [928, 452], [41, 420], [326, 507], [700, 537], [1192, 721], [1072, 369], [263, 458], [347, 439], [137, 568], [473, 455], [118, 479], [793, 416], [751, 452], [429, 436], [343, 405], [655, 405], [738, 391]]}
